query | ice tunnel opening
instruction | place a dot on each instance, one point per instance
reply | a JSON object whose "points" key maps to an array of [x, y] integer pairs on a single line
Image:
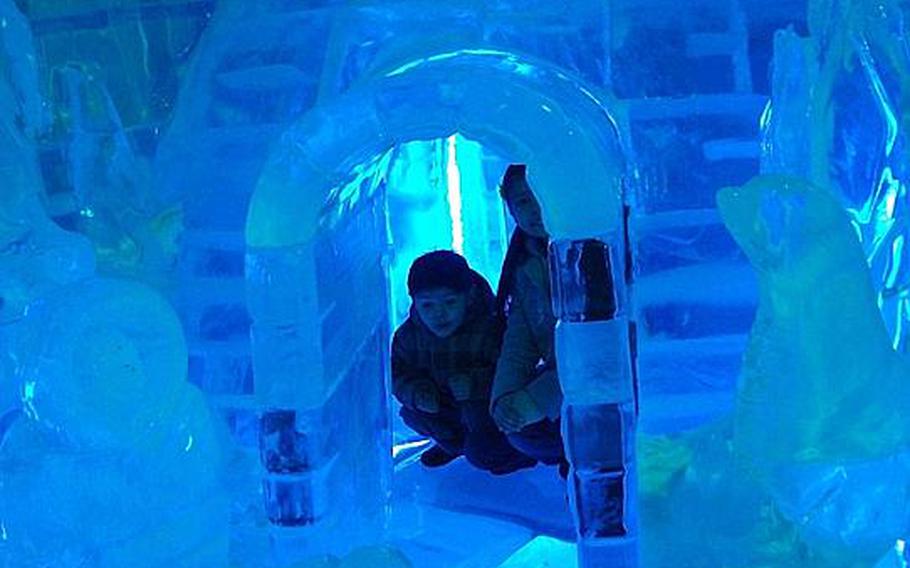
{"points": [[417, 197], [322, 310], [439, 194]]}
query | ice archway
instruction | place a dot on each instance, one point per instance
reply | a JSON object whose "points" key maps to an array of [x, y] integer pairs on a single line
{"points": [[526, 110]]}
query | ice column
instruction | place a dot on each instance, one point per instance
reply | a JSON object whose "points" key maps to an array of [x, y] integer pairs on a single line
{"points": [[291, 372], [596, 369], [319, 336]]}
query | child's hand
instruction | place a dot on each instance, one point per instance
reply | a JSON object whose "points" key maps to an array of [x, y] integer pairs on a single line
{"points": [[460, 386], [516, 410], [426, 399]]}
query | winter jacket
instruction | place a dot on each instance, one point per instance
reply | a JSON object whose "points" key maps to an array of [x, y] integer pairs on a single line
{"points": [[528, 360], [420, 358]]}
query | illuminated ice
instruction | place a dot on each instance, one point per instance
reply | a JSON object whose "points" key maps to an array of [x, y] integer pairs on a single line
{"points": [[273, 167], [115, 453], [106, 452], [812, 468]]}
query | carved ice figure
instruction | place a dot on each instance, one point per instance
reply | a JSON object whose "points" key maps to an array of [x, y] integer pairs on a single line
{"points": [[108, 457], [113, 200], [821, 420], [35, 255], [117, 461], [811, 469], [839, 118]]}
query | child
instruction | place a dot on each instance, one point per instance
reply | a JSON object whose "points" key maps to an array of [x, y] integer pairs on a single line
{"points": [[443, 361], [526, 396]]}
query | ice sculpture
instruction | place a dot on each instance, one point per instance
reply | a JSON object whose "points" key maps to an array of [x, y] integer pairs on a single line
{"points": [[108, 457], [115, 203], [117, 461], [812, 467], [839, 118], [35, 255], [821, 418], [303, 274]]}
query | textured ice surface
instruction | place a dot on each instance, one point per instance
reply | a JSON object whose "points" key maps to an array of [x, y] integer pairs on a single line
{"points": [[838, 118], [113, 200], [378, 557], [812, 466], [35, 255], [116, 453], [822, 391]]}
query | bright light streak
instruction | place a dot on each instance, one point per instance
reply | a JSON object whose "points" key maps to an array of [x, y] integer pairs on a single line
{"points": [[453, 183], [398, 448]]}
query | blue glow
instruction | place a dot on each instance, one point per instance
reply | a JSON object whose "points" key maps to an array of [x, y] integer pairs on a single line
{"points": [[897, 253], [28, 399], [886, 107], [209, 211], [544, 551]]}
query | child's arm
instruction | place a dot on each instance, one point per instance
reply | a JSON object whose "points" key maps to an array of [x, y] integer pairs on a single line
{"points": [[407, 379], [520, 354], [482, 373]]}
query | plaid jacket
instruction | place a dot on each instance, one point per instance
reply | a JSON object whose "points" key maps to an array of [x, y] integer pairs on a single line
{"points": [[420, 358]]}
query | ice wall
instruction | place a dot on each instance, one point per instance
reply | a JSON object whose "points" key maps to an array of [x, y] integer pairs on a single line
{"points": [[695, 90]]}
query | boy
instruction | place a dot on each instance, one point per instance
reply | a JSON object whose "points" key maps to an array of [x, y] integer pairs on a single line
{"points": [[443, 360]]}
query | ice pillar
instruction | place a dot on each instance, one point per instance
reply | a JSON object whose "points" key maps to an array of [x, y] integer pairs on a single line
{"points": [[596, 369]]}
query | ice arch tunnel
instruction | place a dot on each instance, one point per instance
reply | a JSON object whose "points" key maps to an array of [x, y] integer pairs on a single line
{"points": [[322, 388]]}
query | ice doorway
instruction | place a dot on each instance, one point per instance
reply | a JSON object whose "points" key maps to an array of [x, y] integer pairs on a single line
{"points": [[314, 242]]}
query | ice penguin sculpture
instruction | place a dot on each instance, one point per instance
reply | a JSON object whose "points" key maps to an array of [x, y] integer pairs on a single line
{"points": [[822, 414]]}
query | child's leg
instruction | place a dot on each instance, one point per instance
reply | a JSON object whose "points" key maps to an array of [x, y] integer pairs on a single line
{"points": [[486, 447], [541, 441], [444, 427]]}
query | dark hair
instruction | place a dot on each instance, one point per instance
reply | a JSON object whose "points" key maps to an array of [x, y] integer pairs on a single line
{"points": [[440, 269], [515, 173]]}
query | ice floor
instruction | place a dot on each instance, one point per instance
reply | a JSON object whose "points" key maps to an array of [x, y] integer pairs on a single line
{"points": [[457, 516], [462, 517], [454, 516]]}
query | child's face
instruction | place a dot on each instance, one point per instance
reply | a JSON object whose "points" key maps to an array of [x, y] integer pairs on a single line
{"points": [[525, 210], [442, 310]]}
